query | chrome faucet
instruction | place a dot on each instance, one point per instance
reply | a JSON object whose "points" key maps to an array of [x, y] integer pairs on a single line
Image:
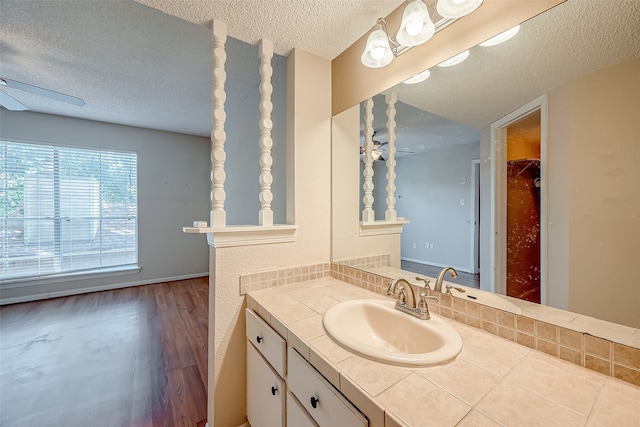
{"points": [[418, 309], [438, 286], [402, 299]]}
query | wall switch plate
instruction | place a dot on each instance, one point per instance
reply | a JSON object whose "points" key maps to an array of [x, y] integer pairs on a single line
{"points": [[430, 245], [462, 202], [414, 246]]}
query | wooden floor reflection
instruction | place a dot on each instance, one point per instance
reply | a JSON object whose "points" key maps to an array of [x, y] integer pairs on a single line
{"points": [[127, 357], [465, 279]]}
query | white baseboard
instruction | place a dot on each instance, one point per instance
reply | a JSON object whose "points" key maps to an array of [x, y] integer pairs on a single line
{"points": [[435, 264], [88, 289]]}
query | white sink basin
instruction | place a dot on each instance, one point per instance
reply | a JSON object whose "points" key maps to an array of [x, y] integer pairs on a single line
{"points": [[376, 330]]}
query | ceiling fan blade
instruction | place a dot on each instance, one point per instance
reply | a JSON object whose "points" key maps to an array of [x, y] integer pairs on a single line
{"points": [[10, 103], [41, 91]]}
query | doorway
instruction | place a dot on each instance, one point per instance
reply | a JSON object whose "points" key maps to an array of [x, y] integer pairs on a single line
{"points": [[523, 208], [519, 147]]}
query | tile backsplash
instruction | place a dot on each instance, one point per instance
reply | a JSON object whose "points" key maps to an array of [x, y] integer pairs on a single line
{"points": [[367, 262], [284, 276], [598, 354], [601, 355]]}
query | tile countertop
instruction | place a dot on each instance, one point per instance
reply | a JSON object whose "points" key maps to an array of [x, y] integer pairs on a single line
{"points": [[493, 382]]}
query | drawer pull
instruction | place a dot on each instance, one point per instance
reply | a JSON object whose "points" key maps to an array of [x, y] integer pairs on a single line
{"points": [[258, 338], [274, 390], [314, 402]]}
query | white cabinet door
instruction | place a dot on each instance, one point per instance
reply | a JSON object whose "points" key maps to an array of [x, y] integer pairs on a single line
{"points": [[265, 392], [296, 415], [321, 400]]}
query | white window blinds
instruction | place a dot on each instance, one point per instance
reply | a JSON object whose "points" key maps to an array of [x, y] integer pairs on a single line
{"points": [[66, 210]]}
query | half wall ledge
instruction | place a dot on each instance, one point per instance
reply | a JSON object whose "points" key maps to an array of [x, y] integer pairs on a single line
{"points": [[246, 235], [377, 228]]}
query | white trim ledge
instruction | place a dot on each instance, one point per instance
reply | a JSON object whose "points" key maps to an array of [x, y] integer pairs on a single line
{"points": [[377, 228], [247, 235]]}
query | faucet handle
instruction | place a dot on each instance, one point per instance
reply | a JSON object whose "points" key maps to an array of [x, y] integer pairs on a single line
{"points": [[426, 282], [423, 307], [424, 296], [449, 287]]}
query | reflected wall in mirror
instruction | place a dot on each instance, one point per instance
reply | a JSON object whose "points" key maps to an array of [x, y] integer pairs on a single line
{"points": [[581, 61]]}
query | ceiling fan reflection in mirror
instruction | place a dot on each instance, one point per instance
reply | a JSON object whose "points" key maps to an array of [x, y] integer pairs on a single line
{"points": [[10, 103], [379, 150]]}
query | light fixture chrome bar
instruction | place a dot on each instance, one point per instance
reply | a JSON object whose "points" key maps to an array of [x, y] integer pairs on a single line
{"points": [[399, 49]]}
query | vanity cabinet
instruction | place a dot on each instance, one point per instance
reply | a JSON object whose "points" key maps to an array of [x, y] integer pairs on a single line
{"points": [[266, 388], [265, 392], [321, 400], [283, 389], [296, 414]]}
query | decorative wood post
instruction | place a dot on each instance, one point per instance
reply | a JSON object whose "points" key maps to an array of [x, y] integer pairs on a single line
{"points": [[218, 135], [391, 98], [368, 215], [266, 142]]}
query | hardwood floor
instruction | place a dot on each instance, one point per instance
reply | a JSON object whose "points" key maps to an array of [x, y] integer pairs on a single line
{"points": [[465, 279], [128, 357]]}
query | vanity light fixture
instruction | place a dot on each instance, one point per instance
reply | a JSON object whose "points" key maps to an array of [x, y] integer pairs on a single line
{"points": [[418, 78], [502, 37], [455, 60], [378, 51], [416, 28], [457, 8]]}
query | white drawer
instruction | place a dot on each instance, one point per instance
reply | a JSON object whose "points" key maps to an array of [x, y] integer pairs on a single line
{"points": [[321, 400], [296, 415], [265, 392], [267, 341]]}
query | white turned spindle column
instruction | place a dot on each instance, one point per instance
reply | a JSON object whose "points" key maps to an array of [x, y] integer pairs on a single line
{"points": [[368, 215], [266, 142], [218, 135], [391, 98]]}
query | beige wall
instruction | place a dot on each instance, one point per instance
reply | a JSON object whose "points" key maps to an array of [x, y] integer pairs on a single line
{"points": [[353, 82], [594, 190], [309, 140], [345, 183]]}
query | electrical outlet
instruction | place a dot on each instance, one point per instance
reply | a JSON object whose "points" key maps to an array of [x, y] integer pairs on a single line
{"points": [[462, 202], [430, 245], [426, 245]]}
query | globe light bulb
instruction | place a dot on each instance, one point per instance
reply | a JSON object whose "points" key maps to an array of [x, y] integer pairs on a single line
{"points": [[377, 52], [414, 28]]}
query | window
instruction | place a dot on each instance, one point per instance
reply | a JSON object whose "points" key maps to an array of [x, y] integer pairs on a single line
{"points": [[66, 210]]}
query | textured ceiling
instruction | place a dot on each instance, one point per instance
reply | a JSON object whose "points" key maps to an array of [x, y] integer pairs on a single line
{"points": [[417, 131], [136, 65], [322, 27], [132, 64], [573, 39]]}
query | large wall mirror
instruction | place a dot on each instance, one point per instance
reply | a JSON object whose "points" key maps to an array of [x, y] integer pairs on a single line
{"points": [[570, 78]]}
